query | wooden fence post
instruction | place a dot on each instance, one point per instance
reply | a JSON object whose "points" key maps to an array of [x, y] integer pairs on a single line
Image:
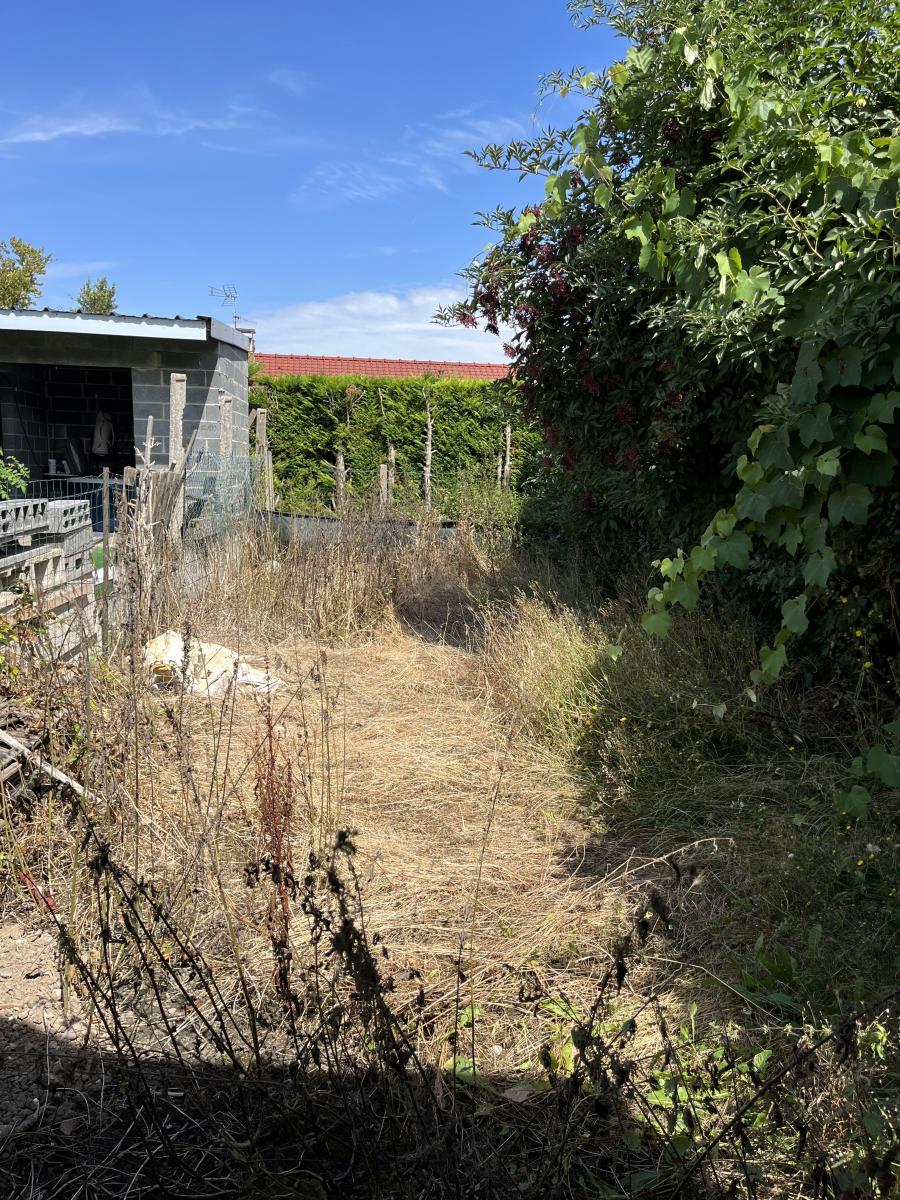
{"points": [[265, 454], [177, 403], [429, 439], [226, 423], [391, 474], [340, 482], [507, 457], [383, 486], [104, 594]]}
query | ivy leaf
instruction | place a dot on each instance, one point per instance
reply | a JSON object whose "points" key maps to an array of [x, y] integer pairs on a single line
{"points": [[854, 803], [884, 406], [656, 623], [793, 613], [844, 369], [871, 438], [791, 538], [734, 550], [751, 473], [752, 506], [640, 227], [703, 558], [807, 374], [815, 530], [815, 426], [603, 195], [818, 567], [829, 463], [786, 491], [851, 504], [772, 660], [751, 284], [685, 592], [886, 766], [876, 469]]}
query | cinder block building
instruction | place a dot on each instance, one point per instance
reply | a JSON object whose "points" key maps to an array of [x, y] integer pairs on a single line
{"points": [[76, 389]]}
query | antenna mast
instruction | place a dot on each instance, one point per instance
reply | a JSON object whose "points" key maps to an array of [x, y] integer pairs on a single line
{"points": [[229, 296]]}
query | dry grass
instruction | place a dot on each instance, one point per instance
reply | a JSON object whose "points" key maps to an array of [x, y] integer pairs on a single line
{"points": [[558, 852]]}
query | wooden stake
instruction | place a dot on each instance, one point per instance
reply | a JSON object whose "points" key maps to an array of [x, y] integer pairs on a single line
{"points": [[265, 455], [177, 403], [104, 594], [226, 423], [269, 482], [507, 457], [429, 438], [383, 486], [391, 474], [340, 482]]}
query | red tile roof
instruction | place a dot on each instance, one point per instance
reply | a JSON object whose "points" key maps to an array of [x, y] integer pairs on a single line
{"points": [[394, 368]]}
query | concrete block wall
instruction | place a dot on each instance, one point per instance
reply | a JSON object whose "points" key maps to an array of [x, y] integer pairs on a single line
{"points": [[220, 367], [75, 395], [23, 415]]}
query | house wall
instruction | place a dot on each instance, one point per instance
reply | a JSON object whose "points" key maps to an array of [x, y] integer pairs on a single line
{"points": [[209, 366], [221, 367]]}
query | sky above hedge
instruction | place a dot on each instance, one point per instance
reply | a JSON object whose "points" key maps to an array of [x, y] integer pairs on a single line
{"points": [[310, 154]]}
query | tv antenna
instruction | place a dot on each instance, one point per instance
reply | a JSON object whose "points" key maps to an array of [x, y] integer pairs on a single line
{"points": [[229, 296]]}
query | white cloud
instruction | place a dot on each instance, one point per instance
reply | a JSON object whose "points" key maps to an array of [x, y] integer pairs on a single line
{"points": [[297, 83], [63, 269], [424, 157], [144, 118], [375, 325]]}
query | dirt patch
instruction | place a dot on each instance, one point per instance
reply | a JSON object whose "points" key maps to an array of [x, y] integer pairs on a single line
{"points": [[42, 1076]]}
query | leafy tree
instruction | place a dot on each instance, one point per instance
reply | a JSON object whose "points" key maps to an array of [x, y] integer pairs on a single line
{"points": [[96, 296], [22, 268], [707, 302]]}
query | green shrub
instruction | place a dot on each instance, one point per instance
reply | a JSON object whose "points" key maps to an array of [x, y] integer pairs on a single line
{"points": [[13, 476], [311, 417], [706, 302]]}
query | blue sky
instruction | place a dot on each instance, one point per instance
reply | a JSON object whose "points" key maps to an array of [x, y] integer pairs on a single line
{"points": [[311, 154]]}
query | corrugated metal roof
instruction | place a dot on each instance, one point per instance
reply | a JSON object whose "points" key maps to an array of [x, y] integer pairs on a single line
{"points": [[393, 368], [49, 320]]}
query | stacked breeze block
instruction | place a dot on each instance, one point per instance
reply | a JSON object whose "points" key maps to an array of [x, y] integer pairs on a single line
{"points": [[18, 517], [69, 527], [23, 523]]}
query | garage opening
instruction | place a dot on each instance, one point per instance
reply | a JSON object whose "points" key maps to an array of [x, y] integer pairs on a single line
{"points": [[67, 421]]}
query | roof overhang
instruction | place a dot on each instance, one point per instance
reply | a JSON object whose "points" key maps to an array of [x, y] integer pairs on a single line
{"points": [[185, 329]]}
